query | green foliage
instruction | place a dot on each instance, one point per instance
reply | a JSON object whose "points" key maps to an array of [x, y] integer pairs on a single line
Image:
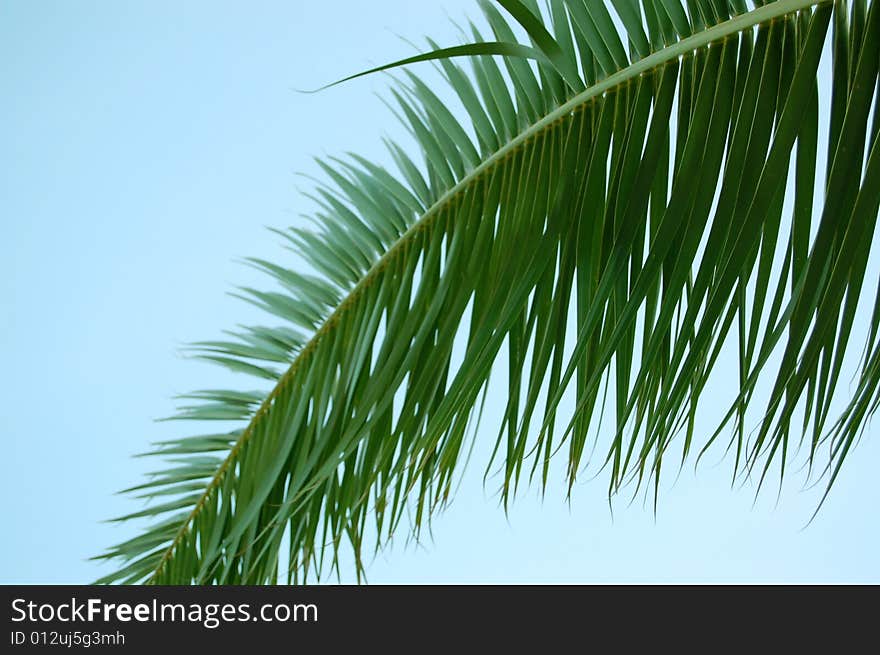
{"points": [[611, 212]]}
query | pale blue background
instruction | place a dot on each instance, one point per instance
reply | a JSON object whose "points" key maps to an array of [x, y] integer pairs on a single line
{"points": [[143, 147]]}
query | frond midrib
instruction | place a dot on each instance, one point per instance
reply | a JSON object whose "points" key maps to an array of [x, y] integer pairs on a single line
{"points": [[714, 34]]}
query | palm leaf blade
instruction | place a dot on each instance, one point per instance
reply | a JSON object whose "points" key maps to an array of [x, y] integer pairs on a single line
{"points": [[643, 247]]}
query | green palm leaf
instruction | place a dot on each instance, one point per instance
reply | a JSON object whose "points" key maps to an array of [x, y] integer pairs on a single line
{"points": [[631, 191]]}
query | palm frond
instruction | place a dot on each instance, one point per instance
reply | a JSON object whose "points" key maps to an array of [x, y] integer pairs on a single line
{"points": [[629, 193]]}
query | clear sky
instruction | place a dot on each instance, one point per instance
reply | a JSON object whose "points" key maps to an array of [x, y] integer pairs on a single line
{"points": [[143, 148]]}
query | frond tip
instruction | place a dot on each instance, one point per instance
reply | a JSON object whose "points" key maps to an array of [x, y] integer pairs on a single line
{"points": [[627, 197]]}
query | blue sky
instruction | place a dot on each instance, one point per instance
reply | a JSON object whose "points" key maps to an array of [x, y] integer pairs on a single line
{"points": [[144, 146]]}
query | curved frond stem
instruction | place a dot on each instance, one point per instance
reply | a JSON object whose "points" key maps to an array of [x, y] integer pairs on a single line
{"points": [[716, 34]]}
